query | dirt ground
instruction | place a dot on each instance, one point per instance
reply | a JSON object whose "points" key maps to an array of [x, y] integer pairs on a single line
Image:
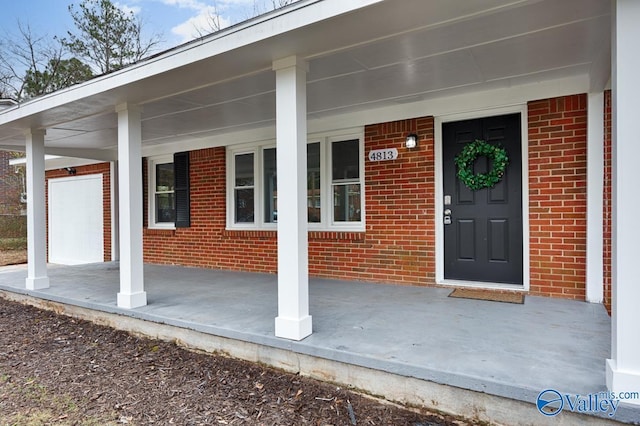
{"points": [[12, 257], [56, 370]]}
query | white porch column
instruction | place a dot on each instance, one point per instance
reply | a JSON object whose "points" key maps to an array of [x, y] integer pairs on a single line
{"points": [[132, 294], [36, 212], [623, 369], [293, 321], [595, 187]]}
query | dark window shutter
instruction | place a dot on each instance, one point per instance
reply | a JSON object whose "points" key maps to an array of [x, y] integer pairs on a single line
{"points": [[181, 189]]}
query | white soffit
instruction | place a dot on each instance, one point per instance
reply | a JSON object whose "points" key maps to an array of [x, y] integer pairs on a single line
{"points": [[362, 55]]}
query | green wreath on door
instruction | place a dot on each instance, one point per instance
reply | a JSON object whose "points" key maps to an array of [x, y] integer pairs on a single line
{"points": [[479, 148]]}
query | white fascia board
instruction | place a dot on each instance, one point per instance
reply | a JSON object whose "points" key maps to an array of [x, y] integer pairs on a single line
{"points": [[6, 103], [23, 160], [53, 162], [261, 28]]}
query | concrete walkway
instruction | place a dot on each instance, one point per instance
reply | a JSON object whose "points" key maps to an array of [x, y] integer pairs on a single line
{"points": [[499, 349]]}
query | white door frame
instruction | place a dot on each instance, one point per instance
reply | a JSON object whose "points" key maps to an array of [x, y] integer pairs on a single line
{"points": [[438, 122]]}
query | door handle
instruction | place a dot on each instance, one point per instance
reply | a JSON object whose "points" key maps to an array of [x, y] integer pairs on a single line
{"points": [[447, 212]]}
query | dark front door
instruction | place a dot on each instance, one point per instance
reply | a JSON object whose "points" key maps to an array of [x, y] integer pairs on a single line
{"points": [[483, 228]]}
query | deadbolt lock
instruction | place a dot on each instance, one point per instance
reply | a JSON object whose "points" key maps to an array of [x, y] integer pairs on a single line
{"points": [[447, 216]]}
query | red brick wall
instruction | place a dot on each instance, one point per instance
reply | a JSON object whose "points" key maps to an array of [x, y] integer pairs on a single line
{"points": [[105, 169], [398, 245], [557, 194], [206, 243], [607, 201], [399, 242]]}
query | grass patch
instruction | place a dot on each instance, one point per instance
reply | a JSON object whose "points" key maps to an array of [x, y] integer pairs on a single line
{"points": [[13, 243], [13, 226], [32, 404]]}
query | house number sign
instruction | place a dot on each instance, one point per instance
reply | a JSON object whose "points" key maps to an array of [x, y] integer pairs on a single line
{"points": [[383, 154]]}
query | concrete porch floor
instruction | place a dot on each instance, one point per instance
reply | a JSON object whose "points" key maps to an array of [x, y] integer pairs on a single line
{"points": [[476, 358]]}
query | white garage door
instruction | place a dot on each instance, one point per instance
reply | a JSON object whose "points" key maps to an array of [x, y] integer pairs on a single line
{"points": [[75, 220]]}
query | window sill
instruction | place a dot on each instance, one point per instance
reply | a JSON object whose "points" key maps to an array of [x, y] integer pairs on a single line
{"points": [[171, 227]]}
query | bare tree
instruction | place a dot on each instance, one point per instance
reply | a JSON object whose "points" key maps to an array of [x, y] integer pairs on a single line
{"points": [[215, 21], [32, 65], [277, 4], [23, 54]]}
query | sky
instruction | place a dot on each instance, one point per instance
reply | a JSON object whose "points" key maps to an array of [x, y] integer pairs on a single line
{"points": [[174, 20]]}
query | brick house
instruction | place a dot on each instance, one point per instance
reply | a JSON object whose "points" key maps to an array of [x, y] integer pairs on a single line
{"points": [[281, 145], [10, 187], [10, 184]]}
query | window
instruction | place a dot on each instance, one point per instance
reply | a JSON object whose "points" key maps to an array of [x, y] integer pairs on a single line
{"points": [[162, 212], [334, 185], [314, 204], [169, 191], [270, 185], [244, 188], [345, 161]]}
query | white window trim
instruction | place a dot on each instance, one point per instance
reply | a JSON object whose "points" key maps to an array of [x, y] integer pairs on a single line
{"points": [[231, 185], [328, 172], [151, 171], [326, 185]]}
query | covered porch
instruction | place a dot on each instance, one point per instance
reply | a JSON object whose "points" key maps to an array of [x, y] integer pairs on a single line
{"points": [[414, 345], [323, 66]]}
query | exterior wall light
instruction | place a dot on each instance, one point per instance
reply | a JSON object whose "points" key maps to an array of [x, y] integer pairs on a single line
{"points": [[411, 141]]}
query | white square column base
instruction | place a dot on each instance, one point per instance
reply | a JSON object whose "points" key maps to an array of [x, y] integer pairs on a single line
{"points": [[622, 381], [292, 328], [131, 301], [37, 283]]}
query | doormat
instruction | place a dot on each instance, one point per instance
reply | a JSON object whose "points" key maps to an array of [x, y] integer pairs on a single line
{"points": [[494, 296]]}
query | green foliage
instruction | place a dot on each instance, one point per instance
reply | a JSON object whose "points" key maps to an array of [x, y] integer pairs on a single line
{"points": [[58, 74], [479, 148], [13, 243], [107, 37]]}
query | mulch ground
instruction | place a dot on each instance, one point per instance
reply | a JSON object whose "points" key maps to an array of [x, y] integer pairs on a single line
{"points": [[56, 370]]}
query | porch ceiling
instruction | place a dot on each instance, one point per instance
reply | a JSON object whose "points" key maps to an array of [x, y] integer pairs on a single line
{"points": [[385, 53]]}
